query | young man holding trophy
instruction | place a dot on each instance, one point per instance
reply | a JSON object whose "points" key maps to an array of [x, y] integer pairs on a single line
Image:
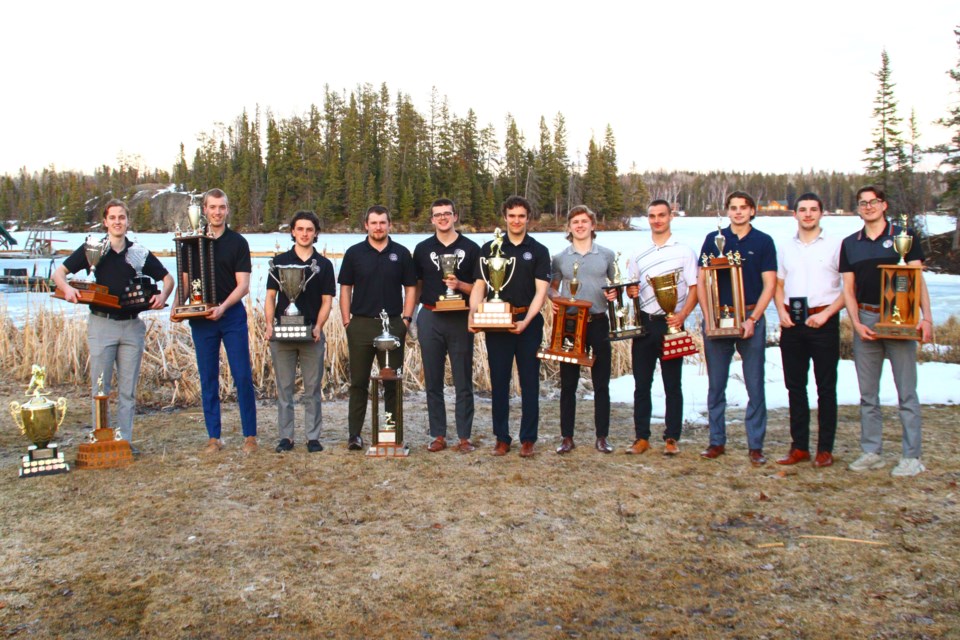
{"points": [[809, 297], [756, 256], [663, 257], [520, 281], [585, 267], [300, 290], [884, 291], [115, 336], [445, 264]]}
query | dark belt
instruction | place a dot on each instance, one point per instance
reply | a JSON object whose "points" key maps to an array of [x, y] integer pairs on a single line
{"points": [[868, 307], [811, 311], [518, 310], [596, 316], [112, 316], [653, 316]]}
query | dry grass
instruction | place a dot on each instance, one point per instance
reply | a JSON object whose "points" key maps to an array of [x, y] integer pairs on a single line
{"points": [[470, 546]]}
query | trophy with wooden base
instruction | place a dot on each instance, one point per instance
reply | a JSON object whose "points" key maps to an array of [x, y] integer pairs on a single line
{"points": [[136, 296], [291, 326], [495, 314], [723, 271], [106, 448], [388, 435], [676, 343], [448, 263], [900, 293], [624, 316], [91, 292], [38, 419], [196, 291], [568, 338]]}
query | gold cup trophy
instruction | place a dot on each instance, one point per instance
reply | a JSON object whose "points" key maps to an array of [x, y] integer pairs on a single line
{"points": [[38, 419], [676, 343], [722, 320], [900, 292], [494, 314], [568, 337]]}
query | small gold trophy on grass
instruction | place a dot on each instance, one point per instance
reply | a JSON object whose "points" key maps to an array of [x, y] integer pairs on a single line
{"points": [[38, 419], [107, 449]]}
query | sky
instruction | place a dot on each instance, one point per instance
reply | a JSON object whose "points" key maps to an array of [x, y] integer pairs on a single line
{"points": [[737, 85]]}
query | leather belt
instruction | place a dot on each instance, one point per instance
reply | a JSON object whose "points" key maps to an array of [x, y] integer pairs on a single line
{"points": [[868, 307], [112, 316], [596, 316], [811, 311], [750, 307], [429, 306], [519, 310]]}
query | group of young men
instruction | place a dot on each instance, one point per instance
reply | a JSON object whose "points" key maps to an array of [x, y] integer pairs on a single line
{"points": [[378, 274]]}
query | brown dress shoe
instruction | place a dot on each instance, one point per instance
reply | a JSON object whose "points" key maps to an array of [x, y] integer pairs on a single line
{"points": [[670, 447], [526, 450], [713, 452], [355, 443], [213, 446], [502, 448], [438, 444], [795, 456], [250, 444], [757, 458], [602, 446], [823, 459], [639, 446], [465, 446], [566, 446]]}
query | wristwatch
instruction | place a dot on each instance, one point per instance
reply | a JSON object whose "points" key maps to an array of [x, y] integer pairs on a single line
{"points": [[407, 318]]}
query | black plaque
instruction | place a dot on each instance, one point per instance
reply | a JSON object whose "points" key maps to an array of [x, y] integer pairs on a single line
{"points": [[799, 310]]}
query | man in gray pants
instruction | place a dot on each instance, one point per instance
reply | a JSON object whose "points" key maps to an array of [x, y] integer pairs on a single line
{"points": [[314, 304], [860, 255], [441, 332]]}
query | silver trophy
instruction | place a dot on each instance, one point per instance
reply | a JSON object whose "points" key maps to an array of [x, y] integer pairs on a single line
{"points": [[386, 342], [94, 250], [447, 264], [194, 216], [293, 280], [136, 296], [624, 315]]}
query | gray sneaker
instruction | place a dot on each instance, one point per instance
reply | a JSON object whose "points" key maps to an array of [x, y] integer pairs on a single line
{"points": [[866, 462], [908, 467]]}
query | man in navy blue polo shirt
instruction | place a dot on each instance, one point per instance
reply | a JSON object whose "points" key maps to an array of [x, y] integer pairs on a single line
{"points": [[759, 264], [860, 255], [375, 275], [526, 293]]}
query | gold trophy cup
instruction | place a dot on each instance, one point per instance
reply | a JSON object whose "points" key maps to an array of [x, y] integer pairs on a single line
{"points": [[38, 419], [495, 314], [676, 343]]}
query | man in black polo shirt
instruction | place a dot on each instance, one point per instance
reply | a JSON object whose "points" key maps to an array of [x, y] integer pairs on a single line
{"points": [[376, 274], [860, 255], [445, 332], [226, 324], [526, 292], [314, 304], [115, 336]]}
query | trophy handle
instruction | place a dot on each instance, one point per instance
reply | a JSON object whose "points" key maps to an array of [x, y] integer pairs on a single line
{"points": [[17, 418], [61, 410], [511, 261], [270, 274], [483, 273], [314, 270]]}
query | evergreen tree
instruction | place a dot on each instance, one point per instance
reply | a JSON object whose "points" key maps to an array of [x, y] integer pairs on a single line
{"points": [[595, 180], [613, 191], [885, 154], [951, 151]]}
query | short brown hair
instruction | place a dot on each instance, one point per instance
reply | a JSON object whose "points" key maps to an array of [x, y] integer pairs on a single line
{"points": [[578, 210], [115, 202], [216, 193]]}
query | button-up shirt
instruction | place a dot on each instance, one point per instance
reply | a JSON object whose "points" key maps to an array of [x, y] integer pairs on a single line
{"points": [[811, 270]]}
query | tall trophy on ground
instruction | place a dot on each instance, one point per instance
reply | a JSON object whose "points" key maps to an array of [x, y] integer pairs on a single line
{"points": [[38, 419], [568, 337], [291, 326], [494, 314], [196, 290], [723, 274], [388, 434], [676, 343], [136, 296], [90, 292], [447, 263], [900, 292], [106, 449], [623, 313]]}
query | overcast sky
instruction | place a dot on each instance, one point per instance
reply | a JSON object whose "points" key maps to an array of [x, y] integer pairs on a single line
{"points": [[748, 86]]}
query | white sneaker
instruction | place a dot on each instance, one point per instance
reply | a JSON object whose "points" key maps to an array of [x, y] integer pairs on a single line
{"points": [[866, 462], [908, 467]]}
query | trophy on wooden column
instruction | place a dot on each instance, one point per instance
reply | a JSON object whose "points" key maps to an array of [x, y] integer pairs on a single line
{"points": [[568, 337], [91, 292], [291, 326], [38, 419], [447, 263], [388, 435], [623, 313], [723, 275], [900, 292], [676, 343], [106, 448], [196, 289], [494, 314]]}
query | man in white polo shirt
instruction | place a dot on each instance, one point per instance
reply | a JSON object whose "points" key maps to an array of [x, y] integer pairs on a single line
{"points": [[809, 296]]}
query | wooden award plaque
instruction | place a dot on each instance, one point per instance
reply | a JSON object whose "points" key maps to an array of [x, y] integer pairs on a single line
{"points": [[568, 337], [91, 293]]}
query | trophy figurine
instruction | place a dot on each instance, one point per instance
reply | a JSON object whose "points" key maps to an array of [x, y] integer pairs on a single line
{"points": [[723, 278], [386, 342], [38, 419], [676, 343], [291, 326], [624, 317], [495, 314], [574, 284], [568, 336], [91, 292], [388, 436], [900, 292], [194, 216], [196, 289], [136, 296], [448, 263], [106, 448]]}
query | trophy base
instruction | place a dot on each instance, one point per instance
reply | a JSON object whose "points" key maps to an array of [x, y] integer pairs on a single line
{"points": [[199, 310], [724, 332], [451, 304], [627, 334], [494, 316], [136, 296], [566, 357], [893, 331], [678, 345], [43, 461], [105, 453], [388, 449], [292, 332], [91, 293]]}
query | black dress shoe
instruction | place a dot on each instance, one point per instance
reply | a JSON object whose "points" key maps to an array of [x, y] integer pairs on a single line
{"points": [[566, 446], [602, 446], [134, 450], [313, 446], [285, 444], [355, 443]]}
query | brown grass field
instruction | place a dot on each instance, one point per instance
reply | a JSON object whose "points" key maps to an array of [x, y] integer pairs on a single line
{"points": [[446, 545]]}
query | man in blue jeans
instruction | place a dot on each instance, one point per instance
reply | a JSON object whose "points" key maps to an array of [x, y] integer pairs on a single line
{"points": [[759, 267], [226, 324]]}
